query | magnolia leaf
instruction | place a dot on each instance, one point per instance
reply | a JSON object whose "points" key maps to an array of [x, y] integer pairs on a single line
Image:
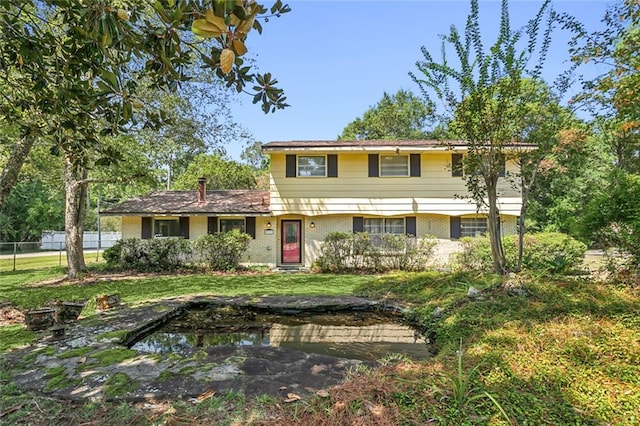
{"points": [[219, 22], [204, 28], [239, 47]]}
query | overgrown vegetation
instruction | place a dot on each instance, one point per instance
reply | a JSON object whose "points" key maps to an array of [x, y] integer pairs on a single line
{"points": [[345, 252], [564, 350], [222, 251], [545, 252], [155, 254]]}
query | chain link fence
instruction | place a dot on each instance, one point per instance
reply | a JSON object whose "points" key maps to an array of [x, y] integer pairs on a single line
{"points": [[15, 256]]}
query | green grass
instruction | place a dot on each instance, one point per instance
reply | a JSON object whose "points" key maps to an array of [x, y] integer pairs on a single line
{"points": [[30, 263], [134, 291]]}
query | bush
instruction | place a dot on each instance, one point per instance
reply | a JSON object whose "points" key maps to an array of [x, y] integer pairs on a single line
{"points": [[222, 251], [159, 254], [552, 251], [343, 252]]}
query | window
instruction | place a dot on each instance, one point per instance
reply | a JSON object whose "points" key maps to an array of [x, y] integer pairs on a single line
{"points": [[314, 166], [473, 226], [228, 225], [166, 228], [394, 165], [378, 227]]}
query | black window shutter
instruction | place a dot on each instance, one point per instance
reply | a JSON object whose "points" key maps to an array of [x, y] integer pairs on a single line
{"points": [[414, 160], [212, 225], [251, 226], [373, 165], [184, 227], [358, 224], [503, 166], [456, 164], [455, 227], [146, 227], [291, 166], [410, 225], [332, 165]]}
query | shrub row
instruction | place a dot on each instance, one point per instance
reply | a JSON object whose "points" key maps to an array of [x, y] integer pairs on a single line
{"points": [[553, 252], [360, 252], [220, 252]]}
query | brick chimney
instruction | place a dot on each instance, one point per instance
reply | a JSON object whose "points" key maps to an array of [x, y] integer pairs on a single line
{"points": [[202, 190]]}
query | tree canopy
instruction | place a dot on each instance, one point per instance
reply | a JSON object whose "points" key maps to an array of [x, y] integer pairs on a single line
{"points": [[483, 95], [71, 74], [398, 116]]}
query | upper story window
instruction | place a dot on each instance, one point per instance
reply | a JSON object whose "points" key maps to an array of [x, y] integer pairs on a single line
{"points": [[394, 165], [166, 228], [228, 225], [312, 165]]}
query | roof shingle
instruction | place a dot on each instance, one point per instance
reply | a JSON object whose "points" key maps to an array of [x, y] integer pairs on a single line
{"points": [[248, 202]]}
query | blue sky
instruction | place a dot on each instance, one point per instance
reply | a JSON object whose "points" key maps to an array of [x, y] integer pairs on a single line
{"points": [[335, 59]]}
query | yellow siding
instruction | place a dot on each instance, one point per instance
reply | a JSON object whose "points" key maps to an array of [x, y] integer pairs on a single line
{"points": [[354, 192], [263, 249], [131, 227], [197, 227]]}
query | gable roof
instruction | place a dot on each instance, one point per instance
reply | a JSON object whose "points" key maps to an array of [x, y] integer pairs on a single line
{"points": [[231, 202], [372, 145]]}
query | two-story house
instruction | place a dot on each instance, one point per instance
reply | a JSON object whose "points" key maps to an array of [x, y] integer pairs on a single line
{"points": [[317, 187]]}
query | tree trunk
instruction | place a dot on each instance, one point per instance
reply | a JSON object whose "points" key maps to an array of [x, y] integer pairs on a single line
{"points": [[497, 251], [14, 164], [75, 186]]}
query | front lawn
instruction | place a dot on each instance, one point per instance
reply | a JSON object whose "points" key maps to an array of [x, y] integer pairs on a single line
{"points": [[558, 351]]}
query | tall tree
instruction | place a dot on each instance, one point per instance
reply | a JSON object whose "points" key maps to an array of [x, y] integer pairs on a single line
{"points": [[71, 73], [612, 215], [612, 95], [219, 172], [398, 116], [483, 96]]}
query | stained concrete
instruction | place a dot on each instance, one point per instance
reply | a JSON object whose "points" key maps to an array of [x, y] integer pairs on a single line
{"points": [[251, 370]]}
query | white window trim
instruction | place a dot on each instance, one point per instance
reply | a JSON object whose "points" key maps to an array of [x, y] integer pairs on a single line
{"points": [[408, 163], [326, 166]]}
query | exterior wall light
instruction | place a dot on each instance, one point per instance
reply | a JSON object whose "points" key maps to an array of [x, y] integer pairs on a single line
{"points": [[312, 225], [268, 225]]}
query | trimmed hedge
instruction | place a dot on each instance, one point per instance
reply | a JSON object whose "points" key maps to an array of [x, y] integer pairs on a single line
{"points": [[550, 251]]}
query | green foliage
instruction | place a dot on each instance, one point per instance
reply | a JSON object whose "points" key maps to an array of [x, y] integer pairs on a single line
{"points": [[157, 254], [219, 172], [344, 252], [613, 218], [552, 252], [30, 209], [611, 94], [398, 116], [222, 251], [485, 96]]}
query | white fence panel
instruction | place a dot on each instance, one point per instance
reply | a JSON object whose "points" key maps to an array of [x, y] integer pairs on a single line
{"points": [[54, 240]]}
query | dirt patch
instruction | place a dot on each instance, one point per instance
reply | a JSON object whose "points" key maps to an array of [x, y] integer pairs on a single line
{"points": [[10, 315]]}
